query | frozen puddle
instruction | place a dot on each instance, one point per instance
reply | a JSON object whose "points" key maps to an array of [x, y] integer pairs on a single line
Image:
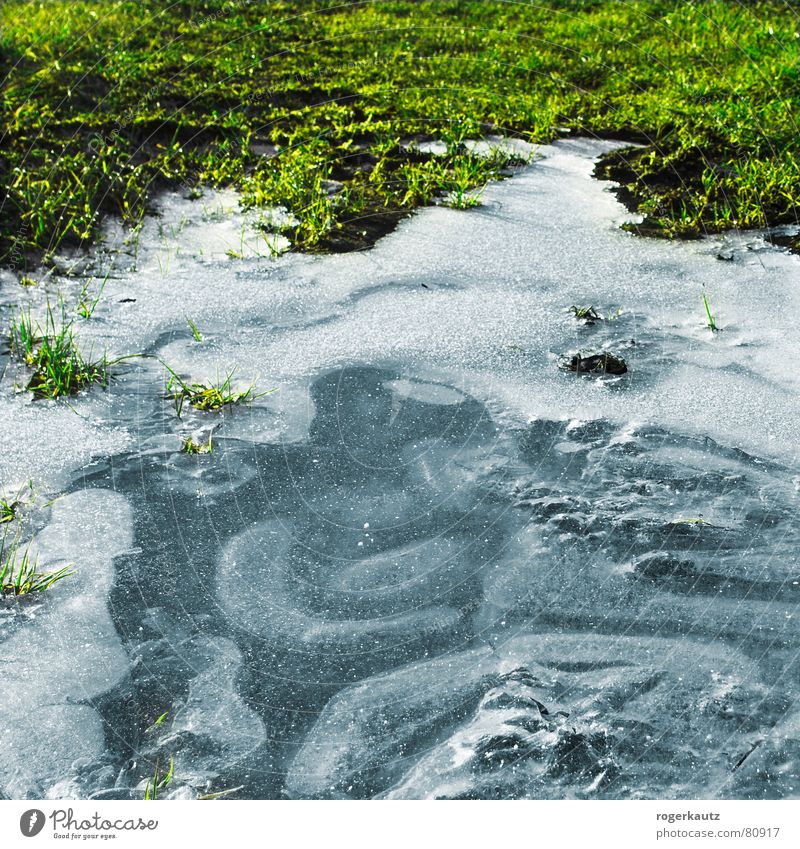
{"points": [[63, 655], [433, 564]]}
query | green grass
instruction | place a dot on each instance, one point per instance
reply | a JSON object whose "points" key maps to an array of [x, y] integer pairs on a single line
{"points": [[711, 322], [694, 522], [160, 720], [159, 781], [588, 314], [8, 510], [207, 397], [195, 331], [11, 506], [107, 100], [88, 303], [52, 355], [192, 446], [220, 794], [19, 573]]}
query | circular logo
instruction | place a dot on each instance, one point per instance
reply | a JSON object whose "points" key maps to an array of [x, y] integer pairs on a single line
{"points": [[31, 822]]}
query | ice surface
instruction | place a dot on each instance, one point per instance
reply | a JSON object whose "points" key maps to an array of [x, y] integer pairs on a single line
{"points": [[212, 732], [360, 740], [426, 504], [66, 653], [543, 716], [183, 232], [770, 767], [256, 593], [27, 426], [493, 318]]}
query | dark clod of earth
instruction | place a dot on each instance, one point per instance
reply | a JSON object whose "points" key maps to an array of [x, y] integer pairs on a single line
{"points": [[588, 315], [596, 364]]}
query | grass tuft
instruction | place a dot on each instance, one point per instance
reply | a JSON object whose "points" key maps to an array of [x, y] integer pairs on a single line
{"points": [[19, 573], [588, 314], [160, 720], [86, 303], [195, 331], [712, 324], [8, 510], [192, 446], [52, 354], [159, 781], [208, 397]]}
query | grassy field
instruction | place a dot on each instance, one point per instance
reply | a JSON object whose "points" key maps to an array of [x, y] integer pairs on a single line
{"points": [[305, 104]]}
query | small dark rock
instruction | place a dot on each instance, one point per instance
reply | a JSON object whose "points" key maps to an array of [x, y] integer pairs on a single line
{"points": [[596, 364], [588, 315]]}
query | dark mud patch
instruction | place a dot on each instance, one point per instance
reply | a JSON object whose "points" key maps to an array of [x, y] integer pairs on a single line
{"points": [[360, 233], [783, 239], [640, 183], [595, 364], [677, 191], [378, 217]]}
